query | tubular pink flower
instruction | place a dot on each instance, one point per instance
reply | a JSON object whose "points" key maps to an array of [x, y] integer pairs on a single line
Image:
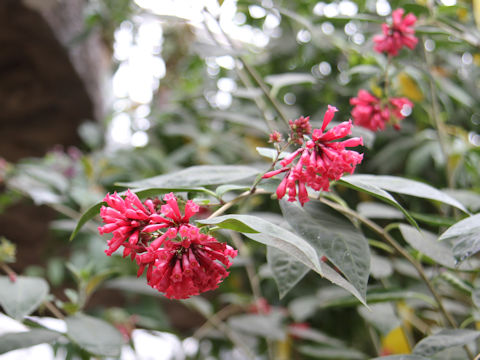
{"points": [[181, 260], [189, 267], [323, 158], [400, 33]]}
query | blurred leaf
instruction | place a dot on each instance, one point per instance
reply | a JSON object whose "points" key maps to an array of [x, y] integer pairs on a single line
{"points": [[476, 12], [444, 339], [406, 187], [268, 326], [363, 70], [19, 340], [315, 335], [465, 236], [427, 244], [223, 189], [470, 199], [22, 297], [287, 271], [380, 267], [364, 185], [409, 88], [281, 80], [94, 335], [199, 304], [323, 352], [241, 119], [454, 91], [382, 316], [197, 176], [132, 284], [375, 210], [333, 236]]}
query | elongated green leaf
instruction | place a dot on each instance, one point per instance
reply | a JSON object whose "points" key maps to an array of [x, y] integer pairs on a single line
{"points": [[364, 186], [324, 352], [280, 80], [271, 153], [405, 186], [22, 297], [376, 297], [287, 271], [223, 189], [19, 340], [374, 210], [93, 211], [446, 338], [197, 176], [465, 235], [269, 234], [241, 119], [427, 244], [333, 236], [94, 335]]}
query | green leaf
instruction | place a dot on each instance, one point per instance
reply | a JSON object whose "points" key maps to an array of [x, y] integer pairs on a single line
{"points": [[268, 326], [271, 153], [333, 236], [223, 189], [93, 211], [454, 91], [382, 316], [465, 235], [324, 352], [195, 176], [374, 297], [19, 340], [94, 335], [427, 244], [445, 339], [269, 234], [364, 186], [281, 80], [363, 70], [406, 187], [287, 271], [22, 297], [241, 119], [374, 210]]}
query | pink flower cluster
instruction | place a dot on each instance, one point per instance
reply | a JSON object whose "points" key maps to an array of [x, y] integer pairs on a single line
{"points": [[181, 260], [323, 158], [371, 113], [398, 34]]}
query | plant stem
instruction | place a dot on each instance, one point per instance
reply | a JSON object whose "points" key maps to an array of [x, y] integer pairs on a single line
{"points": [[232, 202], [435, 115]]}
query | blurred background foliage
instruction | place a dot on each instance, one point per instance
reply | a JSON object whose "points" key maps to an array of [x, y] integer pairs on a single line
{"points": [[182, 94]]}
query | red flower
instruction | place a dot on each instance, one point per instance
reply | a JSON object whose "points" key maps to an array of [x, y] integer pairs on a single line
{"points": [[398, 34], [181, 261], [323, 159], [126, 219], [188, 266], [370, 113]]}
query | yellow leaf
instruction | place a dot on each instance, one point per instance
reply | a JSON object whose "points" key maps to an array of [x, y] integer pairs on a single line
{"points": [[395, 342], [409, 88], [283, 349], [376, 90], [476, 12]]}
